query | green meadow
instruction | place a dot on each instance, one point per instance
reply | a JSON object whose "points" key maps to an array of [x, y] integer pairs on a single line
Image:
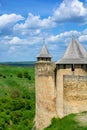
{"points": [[70, 122], [17, 98]]}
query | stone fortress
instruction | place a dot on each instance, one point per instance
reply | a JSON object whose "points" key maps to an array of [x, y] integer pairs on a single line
{"points": [[61, 87]]}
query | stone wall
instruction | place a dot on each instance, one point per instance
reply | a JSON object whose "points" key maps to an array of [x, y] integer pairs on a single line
{"points": [[74, 94], [45, 93], [61, 92]]}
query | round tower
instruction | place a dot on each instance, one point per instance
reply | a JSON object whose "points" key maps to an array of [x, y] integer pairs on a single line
{"points": [[45, 89]]}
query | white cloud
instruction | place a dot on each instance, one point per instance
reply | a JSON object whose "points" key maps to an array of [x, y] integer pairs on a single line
{"points": [[33, 24], [21, 41], [65, 35], [84, 31], [83, 38], [70, 11], [15, 40], [31, 32], [8, 19]]}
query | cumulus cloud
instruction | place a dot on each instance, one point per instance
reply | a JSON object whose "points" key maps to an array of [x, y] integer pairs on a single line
{"points": [[15, 40], [18, 34], [7, 19], [70, 11], [85, 31], [83, 38], [33, 24], [65, 35]]}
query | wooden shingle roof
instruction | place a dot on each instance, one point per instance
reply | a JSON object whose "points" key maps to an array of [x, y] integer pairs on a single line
{"points": [[44, 53], [74, 54]]}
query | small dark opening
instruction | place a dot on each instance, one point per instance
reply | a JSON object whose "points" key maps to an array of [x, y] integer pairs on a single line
{"points": [[64, 66], [82, 66], [73, 68], [86, 67], [58, 66]]}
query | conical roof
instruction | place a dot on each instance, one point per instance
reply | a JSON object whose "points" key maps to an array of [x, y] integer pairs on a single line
{"points": [[74, 54], [44, 52]]}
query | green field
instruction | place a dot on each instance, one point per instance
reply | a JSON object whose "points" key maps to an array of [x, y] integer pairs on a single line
{"points": [[17, 98], [70, 122]]}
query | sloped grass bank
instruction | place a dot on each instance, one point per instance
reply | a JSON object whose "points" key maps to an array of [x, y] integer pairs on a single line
{"points": [[17, 98], [70, 122]]}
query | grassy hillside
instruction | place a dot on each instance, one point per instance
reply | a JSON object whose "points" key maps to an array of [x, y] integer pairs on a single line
{"points": [[70, 122], [17, 98]]}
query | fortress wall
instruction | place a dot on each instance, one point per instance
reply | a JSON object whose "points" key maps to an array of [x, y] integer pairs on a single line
{"points": [[45, 94], [74, 94], [60, 85]]}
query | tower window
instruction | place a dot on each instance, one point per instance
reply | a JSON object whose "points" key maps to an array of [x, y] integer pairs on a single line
{"points": [[73, 68], [86, 66], [64, 66], [82, 66]]}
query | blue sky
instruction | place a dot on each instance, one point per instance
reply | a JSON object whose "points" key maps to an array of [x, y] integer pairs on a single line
{"points": [[25, 23]]}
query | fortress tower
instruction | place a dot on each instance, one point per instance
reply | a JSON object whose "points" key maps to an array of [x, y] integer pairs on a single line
{"points": [[61, 87], [72, 80], [45, 89]]}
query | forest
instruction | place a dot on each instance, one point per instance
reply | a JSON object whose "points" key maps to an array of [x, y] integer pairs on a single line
{"points": [[17, 98]]}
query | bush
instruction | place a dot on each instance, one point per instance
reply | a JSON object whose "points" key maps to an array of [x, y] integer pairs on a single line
{"points": [[18, 104], [1, 74], [11, 75], [4, 76], [15, 93], [20, 75], [16, 117], [26, 75], [29, 77]]}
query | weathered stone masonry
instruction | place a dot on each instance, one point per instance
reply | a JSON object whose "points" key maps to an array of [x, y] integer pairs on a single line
{"points": [[61, 87], [45, 94]]}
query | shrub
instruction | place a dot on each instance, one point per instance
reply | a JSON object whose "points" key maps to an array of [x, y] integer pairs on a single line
{"points": [[20, 75], [15, 93], [26, 75], [4, 76], [1, 74], [16, 117], [29, 77], [11, 75], [18, 104]]}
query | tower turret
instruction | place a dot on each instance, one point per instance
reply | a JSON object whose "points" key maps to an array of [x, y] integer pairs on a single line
{"points": [[45, 89], [44, 54]]}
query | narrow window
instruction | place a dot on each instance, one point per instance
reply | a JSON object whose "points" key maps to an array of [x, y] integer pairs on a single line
{"points": [[86, 67], [73, 68], [64, 66], [82, 66]]}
